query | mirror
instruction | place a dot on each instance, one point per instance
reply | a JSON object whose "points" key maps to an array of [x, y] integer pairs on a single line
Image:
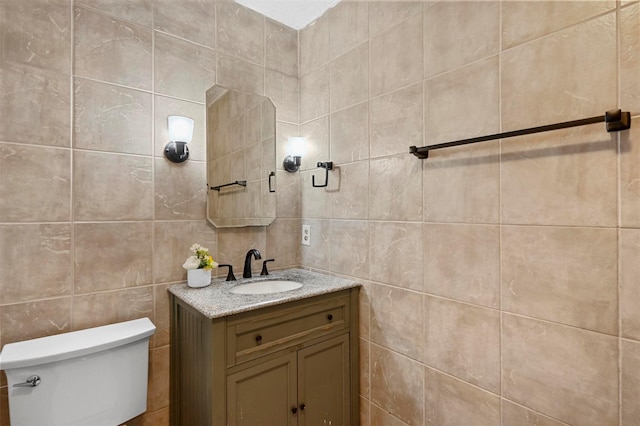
{"points": [[241, 158]]}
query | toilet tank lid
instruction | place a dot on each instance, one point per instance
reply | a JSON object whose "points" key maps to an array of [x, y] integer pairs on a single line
{"points": [[73, 344]]}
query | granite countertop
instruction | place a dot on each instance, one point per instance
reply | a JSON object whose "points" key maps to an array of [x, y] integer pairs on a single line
{"points": [[216, 300]]}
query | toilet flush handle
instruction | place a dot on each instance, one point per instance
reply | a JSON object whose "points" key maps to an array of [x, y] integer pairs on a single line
{"points": [[31, 382]]}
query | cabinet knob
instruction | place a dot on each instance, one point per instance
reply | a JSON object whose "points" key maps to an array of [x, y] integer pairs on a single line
{"points": [[302, 407], [294, 410], [258, 338], [330, 317]]}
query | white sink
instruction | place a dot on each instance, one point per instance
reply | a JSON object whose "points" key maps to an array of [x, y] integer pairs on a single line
{"points": [[266, 287]]}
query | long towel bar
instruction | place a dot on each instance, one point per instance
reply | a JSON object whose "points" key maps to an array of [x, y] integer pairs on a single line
{"points": [[616, 120]]}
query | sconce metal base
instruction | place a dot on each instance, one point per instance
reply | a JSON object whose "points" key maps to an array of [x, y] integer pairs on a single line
{"points": [[291, 164], [176, 151]]}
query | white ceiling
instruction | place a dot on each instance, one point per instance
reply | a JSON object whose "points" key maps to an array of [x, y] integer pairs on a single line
{"points": [[296, 14]]}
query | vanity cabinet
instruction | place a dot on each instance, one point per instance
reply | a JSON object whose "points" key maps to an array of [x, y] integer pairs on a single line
{"points": [[290, 364]]}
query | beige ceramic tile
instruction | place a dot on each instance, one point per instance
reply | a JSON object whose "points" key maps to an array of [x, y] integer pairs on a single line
{"points": [[629, 58], [630, 283], [581, 83], [348, 26], [314, 45], [567, 177], [162, 315], [349, 186], [463, 103], [449, 401], [392, 67], [180, 190], [350, 78], [112, 187], [35, 183], [171, 243], [238, 74], [386, 14], [182, 69], [314, 94], [379, 416], [287, 187], [524, 21], [112, 50], [240, 32], [317, 254], [350, 134], [99, 246], [365, 310], [37, 32], [396, 121], [138, 11], [630, 176], [365, 376], [193, 20], [158, 393], [514, 414], [21, 245], [349, 248], [34, 105], [397, 254], [24, 321], [316, 134], [93, 310], [283, 240], [462, 262], [111, 118], [395, 187], [391, 327], [462, 184], [458, 33], [233, 244], [365, 410], [565, 275], [282, 89], [281, 48], [630, 385], [397, 387], [563, 372], [163, 108], [457, 333]]}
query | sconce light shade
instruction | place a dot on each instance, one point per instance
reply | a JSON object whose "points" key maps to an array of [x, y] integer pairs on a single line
{"points": [[180, 134], [296, 149]]}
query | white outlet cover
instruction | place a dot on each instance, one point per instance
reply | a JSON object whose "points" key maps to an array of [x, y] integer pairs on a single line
{"points": [[306, 235]]}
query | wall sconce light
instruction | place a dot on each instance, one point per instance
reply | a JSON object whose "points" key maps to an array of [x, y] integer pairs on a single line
{"points": [[180, 134], [296, 150]]}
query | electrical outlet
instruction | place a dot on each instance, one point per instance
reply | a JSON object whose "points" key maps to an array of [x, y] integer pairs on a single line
{"points": [[306, 235]]}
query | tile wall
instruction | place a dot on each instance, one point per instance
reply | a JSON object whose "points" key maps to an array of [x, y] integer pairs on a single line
{"points": [[94, 221], [502, 279]]}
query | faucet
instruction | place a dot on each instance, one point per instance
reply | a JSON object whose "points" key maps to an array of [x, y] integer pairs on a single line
{"points": [[247, 262]]}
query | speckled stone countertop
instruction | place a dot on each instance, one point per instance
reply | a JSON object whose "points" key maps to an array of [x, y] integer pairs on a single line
{"points": [[216, 300]]}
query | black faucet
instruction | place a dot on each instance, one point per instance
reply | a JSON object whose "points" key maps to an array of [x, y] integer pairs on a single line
{"points": [[247, 262]]}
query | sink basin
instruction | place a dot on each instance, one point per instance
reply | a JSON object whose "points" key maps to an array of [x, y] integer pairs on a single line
{"points": [[266, 287]]}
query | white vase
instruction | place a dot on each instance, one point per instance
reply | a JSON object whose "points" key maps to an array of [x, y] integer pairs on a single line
{"points": [[198, 277]]}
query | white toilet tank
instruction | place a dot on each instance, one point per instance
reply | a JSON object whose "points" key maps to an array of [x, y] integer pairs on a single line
{"points": [[96, 376]]}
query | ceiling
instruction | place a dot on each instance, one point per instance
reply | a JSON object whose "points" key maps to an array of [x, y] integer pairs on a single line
{"points": [[296, 14]]}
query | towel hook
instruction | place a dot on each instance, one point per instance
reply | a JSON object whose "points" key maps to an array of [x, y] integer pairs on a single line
{"points": [[327, 165]]}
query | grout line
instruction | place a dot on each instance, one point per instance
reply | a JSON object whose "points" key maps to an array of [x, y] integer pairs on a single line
{"points": [[72, 233]]}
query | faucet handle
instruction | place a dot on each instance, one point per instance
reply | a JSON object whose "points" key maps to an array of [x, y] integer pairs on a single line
{"points": [[230, 276], [264, 267]]}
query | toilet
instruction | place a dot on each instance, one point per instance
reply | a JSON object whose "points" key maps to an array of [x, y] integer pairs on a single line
{"points": [[96, 376]]}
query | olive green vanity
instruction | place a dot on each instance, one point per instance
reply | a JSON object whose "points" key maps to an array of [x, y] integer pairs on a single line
{"points": [[287, 358]]}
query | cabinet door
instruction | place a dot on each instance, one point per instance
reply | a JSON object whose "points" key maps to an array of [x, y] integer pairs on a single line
{"points": [[263, 394], [324, 383]]}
